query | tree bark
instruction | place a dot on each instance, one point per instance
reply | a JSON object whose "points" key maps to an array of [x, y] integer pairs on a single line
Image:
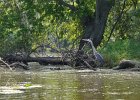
{"points": [[94, 29]]}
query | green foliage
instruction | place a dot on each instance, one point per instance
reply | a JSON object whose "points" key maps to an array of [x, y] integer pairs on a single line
{"points": [[126, 15], [18, 26], [118, 50], [26, 24]]}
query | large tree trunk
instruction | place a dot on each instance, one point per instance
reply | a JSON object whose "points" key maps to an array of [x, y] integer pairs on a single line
{"points": [[94, 28]]}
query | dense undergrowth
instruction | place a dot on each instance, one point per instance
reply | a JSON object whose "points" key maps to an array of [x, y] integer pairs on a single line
{"points": [[118, 50]]}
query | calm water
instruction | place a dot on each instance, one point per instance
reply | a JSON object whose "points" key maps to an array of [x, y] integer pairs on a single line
{"points": [[71, 85]]}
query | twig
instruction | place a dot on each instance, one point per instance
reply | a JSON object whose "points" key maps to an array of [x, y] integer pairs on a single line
{"points": [[118, 19], [88, 65], [71, 7], [5, 64]]}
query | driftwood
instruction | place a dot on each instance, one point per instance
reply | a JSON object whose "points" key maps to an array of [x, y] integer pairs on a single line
{"points": [[13, 65], [18, 64], [82, 59], [71, 59], [40, 60], [6, 64]]}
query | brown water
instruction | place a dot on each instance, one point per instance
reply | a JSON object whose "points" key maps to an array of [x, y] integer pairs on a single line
{"points": [[70, 85]]}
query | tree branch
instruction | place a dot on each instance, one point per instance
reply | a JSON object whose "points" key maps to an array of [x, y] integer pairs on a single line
{"points": [[7, 65], [135, 2], [71, 7], [118, 19]]}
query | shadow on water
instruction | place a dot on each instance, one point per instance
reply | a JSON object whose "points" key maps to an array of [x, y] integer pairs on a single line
{"points": [[70, 85]]}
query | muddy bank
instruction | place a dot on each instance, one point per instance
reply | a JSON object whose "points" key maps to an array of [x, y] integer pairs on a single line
{"points": [[33, 66], [124, 65]]}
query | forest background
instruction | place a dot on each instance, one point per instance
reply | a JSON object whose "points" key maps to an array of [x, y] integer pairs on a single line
{"points": [[112, 25]]}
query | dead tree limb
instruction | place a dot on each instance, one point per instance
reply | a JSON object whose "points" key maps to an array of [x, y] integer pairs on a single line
{"points": [[7, 65]]}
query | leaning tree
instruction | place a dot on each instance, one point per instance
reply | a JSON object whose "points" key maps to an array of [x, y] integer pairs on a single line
{"points": [[27, 23], [93, 20], [93, 16]]}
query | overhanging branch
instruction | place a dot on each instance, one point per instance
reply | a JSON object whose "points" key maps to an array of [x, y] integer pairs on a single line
{"points": [[135, 2], [71, 7], [118, 19]]}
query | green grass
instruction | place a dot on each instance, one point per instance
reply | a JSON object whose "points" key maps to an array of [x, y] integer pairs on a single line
{"points": [[116, 51]]}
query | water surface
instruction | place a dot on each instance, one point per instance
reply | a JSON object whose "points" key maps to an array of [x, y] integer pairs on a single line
{"points": [[70, 85]]}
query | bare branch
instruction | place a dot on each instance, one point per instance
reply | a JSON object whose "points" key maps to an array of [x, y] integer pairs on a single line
{"points": [[71, 7], [7, 65], [118, 19], [135, 2]]}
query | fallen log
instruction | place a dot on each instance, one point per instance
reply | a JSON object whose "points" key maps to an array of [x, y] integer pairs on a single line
{"points": [[49, 60], [80, 58], [73, 60], [40, 60]]}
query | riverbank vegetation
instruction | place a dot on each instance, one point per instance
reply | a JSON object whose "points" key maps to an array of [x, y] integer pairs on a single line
{"points": [[119, 50], [37, 27]]}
